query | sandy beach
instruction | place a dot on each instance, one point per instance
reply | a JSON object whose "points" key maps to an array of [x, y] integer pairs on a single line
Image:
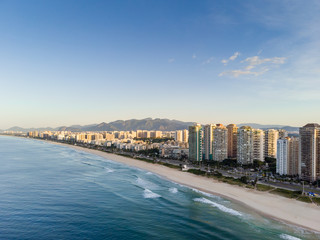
{"points": [[288, 210]]}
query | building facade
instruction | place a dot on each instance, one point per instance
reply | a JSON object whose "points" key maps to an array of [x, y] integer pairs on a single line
{"points": [[271, 137], [195, 143], [310, 152], [220, 143], [232, 140], [245, 149], [258, 140], [208, 141]]}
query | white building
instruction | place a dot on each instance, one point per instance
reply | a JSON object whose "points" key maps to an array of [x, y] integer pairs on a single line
{"points": [[282, 156]]}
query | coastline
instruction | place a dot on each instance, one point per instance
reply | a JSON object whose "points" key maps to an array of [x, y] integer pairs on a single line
{"points": [[304, 215], [272, 206]]}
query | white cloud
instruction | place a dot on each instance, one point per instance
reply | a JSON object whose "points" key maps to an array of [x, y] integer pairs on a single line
{"points": [[232, 58], [194, 56], [254, 62], [171, 60], [239, 72], [209, 60]]}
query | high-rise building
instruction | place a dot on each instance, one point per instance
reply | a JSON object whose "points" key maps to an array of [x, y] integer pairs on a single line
{"points": [[179, 136], [220, 143], [195, 143], [245, 149], [310, 151], [282, 156], [258, 138], [232, 140], [288, 156], [271, 137], [208, 141], [294, 152], [185, 136], [139, 134]]}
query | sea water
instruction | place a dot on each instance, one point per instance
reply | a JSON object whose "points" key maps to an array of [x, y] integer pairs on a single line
{"points": [[55, 192]]}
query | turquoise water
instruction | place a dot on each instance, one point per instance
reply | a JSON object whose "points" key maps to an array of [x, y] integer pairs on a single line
{"points": [[55, 192]]}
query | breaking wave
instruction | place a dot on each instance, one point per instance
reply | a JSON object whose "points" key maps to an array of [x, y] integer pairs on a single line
{"points": [[146, 184], [288, 237], [173, 190], [219, 206], [149, 194]]}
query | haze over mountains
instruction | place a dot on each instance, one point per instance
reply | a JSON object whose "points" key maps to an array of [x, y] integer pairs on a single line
{"points": [[142, 124]]}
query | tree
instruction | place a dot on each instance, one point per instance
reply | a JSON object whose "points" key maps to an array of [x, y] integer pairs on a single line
{"points": [[244, 179]]}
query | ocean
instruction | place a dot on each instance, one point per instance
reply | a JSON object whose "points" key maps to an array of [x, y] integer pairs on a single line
{"points": [[54, 192]]}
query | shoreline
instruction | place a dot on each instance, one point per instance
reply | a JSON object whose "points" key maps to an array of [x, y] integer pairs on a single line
{"points": [[285, 210], [276, 207]]}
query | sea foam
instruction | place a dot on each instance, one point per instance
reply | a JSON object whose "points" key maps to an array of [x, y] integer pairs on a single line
{"points": [[288, 237], [149, 194], [205, 194], [219, 206], [146, 184], [173, 190]]}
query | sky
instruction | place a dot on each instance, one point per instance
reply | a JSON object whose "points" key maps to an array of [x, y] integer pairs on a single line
{"points": [[83, 62]]}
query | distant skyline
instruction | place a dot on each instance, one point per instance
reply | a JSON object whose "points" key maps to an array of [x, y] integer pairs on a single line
{"points": [[83, 62]]}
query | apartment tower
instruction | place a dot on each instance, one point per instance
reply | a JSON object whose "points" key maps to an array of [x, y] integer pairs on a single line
{"points": [[220, 143], [195, 143], [310, 151], [271, 137], [258, 139], [232, 140], [245, 149], [208, 141]]}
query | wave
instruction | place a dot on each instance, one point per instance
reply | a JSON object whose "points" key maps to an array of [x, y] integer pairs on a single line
{"points": [[149, 194], [205, 194], [219, 206], [146, 184], [149, 173], [288, 237], [173, 190], [108, 170]]}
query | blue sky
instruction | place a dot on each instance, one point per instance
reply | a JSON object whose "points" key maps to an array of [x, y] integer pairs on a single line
{"points": [[81, 62]]}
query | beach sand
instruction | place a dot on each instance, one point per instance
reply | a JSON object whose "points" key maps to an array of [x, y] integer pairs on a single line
{"points": [[291, 211]]}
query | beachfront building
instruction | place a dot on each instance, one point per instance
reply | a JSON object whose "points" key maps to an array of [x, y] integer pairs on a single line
{"points": [[310, 152], [287, 156], [185, 136], [220, 143], [245, 147], [282, 156], [208, 141], [232, 140], [178, 136], [195, 142], [294, 151], [258, 152], [271, 137]]}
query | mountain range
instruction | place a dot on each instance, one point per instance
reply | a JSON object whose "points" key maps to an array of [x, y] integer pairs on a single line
{"points": [[142, 124]]}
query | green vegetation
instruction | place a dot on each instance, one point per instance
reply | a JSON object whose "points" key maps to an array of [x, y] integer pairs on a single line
{"points": [[286, 193], [149, 152], [272, 162], [304, 199], [230, 162], [316, 200], [197, 172], [263, 188], [244, 179], [169, 165]]}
